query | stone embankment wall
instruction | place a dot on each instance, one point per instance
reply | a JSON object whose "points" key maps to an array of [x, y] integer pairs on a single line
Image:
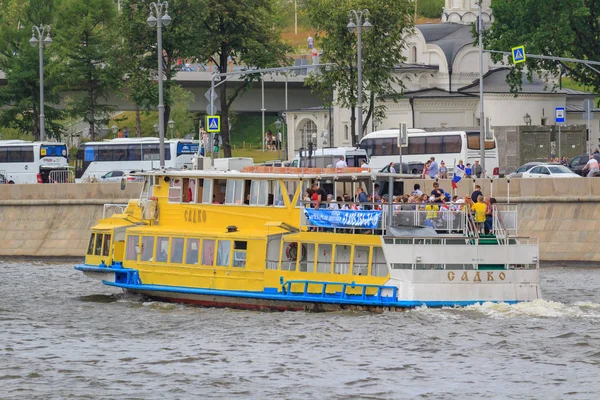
{"points": [[54, 220]]}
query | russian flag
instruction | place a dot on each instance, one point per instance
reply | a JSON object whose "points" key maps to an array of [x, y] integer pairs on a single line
{"points": [[458, 175]]}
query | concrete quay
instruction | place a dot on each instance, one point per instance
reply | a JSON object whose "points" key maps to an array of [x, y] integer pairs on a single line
{"points": [[54, 220]]}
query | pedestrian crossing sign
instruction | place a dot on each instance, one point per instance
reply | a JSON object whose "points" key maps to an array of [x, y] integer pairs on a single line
{"points": [[518, 54], [213, 123]]}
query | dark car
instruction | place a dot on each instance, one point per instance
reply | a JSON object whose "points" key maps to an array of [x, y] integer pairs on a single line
{"points": [[577, 163], [413, 167]]}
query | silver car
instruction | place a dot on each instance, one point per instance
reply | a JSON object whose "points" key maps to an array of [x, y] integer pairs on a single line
{"points": [[117, 176], [523, 168]]}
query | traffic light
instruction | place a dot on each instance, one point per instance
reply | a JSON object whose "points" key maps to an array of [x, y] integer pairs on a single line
{"points": [[216, 140]]}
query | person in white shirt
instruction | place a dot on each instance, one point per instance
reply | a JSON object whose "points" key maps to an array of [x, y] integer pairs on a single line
{"points": [[392, 169], [592, 166], [341, 163], [364, 165]]}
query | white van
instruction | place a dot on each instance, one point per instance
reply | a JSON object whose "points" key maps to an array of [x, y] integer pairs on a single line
{"points": [[328, 157]]}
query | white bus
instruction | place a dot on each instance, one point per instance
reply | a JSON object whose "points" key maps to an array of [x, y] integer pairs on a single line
{"points": [[31, 162], [450, 147], [329, 156], [94, 159]]}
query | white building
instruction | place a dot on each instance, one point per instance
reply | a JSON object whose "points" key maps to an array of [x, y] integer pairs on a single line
{"points": [[441, 78]]}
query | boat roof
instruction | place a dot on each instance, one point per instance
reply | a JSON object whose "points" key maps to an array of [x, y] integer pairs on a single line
{"points": [[270, 173]]}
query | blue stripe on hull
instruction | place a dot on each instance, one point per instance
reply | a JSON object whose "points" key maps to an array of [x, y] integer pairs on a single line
{"points": [[306, 298]]}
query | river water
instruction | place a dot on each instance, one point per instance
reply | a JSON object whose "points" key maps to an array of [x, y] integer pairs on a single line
{"points": [[63, 335]]}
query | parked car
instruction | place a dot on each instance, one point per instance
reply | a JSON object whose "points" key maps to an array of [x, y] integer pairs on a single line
{"points": [[117, 176], [523, 168], [550, 171], [413, 167], [577, 163]]}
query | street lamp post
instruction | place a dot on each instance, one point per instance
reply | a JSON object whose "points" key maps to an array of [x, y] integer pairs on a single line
{"points": [[37, 39], [161, 9], [171, 127], [359, 20]]}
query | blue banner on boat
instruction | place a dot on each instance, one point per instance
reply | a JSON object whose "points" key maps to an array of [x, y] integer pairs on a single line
{"points": [[343, 218]]}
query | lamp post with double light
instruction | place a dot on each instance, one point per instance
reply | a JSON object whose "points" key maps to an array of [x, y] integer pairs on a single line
{"points": [[161, 10], [37, 39], [358, 21]]}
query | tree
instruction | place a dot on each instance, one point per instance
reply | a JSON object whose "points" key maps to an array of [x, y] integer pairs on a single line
{"points": [[87, 38], [181, 41], [560, 28], [180, 110], [20, 98], [382, 49], [245, 32]]}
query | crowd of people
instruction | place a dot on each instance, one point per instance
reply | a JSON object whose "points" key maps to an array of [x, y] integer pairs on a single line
{"points": [[440, 208]]}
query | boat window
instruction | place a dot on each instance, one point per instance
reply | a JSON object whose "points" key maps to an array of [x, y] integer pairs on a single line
{"points": [[291, 251], [239, 253], [259, 191], [277, 194], [106, 247], [290, 187], [98, 248], [162, 249], [91, 245], [147, 248], [341, 263], [307, 263], [361, 260], [207, 191], [176, 250], [234, 192], [305, 185], [208, 252], [193, 190], [175, 190], [324, 253], [192, 251], [379, 267], [223, 253], [132, 243]]}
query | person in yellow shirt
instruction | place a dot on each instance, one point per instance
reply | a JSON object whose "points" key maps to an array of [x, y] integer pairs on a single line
{"points": [[479, 210]]}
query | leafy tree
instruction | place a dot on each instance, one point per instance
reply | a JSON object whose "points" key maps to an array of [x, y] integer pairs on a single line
{"points": [[181, 41], [430, 8], [87, 37], [246, 32], [19, 99], [180, 110], [560, 28], [381, 52]]}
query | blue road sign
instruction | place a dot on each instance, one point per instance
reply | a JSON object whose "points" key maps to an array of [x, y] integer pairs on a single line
{"points": [[213, 123], [559, 115], [518, 54]]}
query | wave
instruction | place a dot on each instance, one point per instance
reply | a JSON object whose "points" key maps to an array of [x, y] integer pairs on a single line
{"points": [[537, 309]]}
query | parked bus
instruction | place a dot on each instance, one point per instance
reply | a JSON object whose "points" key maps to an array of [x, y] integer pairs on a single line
{"points": [[328, 157], [31, 162], [94, 159], [450, 147]]}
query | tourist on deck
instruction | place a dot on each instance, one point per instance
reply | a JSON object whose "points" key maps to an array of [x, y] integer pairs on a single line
{"points": [[361, 197], [490, 204], [438, 194], [308, 197], [476, 193], [417, 190], [443, 174], [479, 209], [319, 196], [331, 203], [341, 163]]}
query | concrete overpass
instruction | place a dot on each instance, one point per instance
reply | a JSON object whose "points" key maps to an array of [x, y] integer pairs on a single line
{"points": [[198, 82]]}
